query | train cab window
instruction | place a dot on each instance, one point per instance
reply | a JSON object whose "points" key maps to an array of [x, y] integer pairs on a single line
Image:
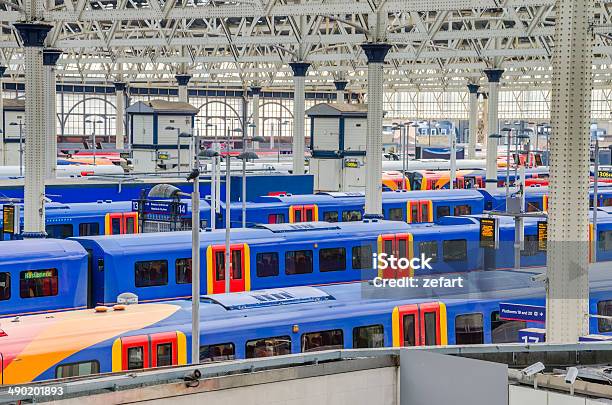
{"points": [[431, 328], [219, 352], [89, 229], [604, 239], [5, 286], [350, 216], [38, 283], [135, 357], [332, 259], [276, 218], [77, 369], [362, 257], [531, 246], [429, 249], [267, 264], [151, 273], [442, 211], [164, 354], [604, 308], [409, 330], [59, 231], [330, 216], [396, 214], [298, 262], [326, 340], [268, 347], [368, 337], [533, 206], [469, 329], [505, 331], [183, 271], [463, 210], [454, 250]]}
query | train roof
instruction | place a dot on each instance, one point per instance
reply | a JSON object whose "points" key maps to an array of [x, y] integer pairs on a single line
{"points": [[20, 251]]}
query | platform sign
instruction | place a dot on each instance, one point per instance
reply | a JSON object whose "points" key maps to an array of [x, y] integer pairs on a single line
{"points": [[532, 335], [10, 218], [351, 164], [159, 207], [522, 312], [542, 235], [604, 174], [163, 155], [489, 233]]}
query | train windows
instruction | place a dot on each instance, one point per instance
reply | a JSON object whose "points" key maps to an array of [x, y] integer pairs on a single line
{"points": [[332, 259], [164, 354], [38, 283], [151, 273], [442, 211], [219, 352], [352, 215], [77, 369], [5, 286], [368, 337], [236, 262], [505, 331], [531, 246], [533, 206], [183, 271], [454, 250], [89, 229], [469, 329], [130, 224], [362, 257], [409, 330], [135, 358], [276, 218], [297, 216], [604, 308], [220, 265], [429, 249], [298, 262], [431, 328], [267, 264], [604, 239], [268, 347], [463, 209], [326, 340], [59, 231], [330, 216], [115, 225], [396, 214], [607, 202]]}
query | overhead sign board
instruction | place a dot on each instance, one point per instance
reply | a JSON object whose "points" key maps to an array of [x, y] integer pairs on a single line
{"points": [[542, 235], [522, 312], [159, 207], [604, 174], [352, 164], [10, 219], [489, 233]]}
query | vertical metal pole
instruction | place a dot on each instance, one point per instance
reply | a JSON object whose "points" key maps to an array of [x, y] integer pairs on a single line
{"points": [[213, 190], [518, 224], [299, 78], [227, 215], [508, 165], [195, 262], [493, 76], [473, 123], [93, 135], [278, 146], [595, 196], [20, 149], [244, 193], [2, 135], [453, 160], [178, 150]]}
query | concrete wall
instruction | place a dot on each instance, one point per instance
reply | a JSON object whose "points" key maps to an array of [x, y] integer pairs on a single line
{"points": [[520, 395]]}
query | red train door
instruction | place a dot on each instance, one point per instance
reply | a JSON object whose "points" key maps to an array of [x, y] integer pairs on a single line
{"points": [[430, 323], [303, 213], [164, 349], [419, 325], [408, 325], [400, 247], [420, 211], [238, 269], [119, 223]]}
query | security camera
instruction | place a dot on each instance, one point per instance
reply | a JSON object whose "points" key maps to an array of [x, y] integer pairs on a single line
{"points": [[533, 369], [539, 278], [572, 374]]}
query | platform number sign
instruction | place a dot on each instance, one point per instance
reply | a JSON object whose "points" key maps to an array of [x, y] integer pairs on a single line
{"points": [[489, 231], [542, 235]]}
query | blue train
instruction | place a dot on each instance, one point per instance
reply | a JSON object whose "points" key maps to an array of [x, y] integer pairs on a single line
{"points": [[157, 266], [110, 218], [277, 322]]}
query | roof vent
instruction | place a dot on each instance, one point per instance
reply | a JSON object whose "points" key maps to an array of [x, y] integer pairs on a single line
{"points": [[127, 298]]}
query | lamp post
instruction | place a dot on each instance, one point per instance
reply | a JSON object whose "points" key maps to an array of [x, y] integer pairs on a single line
{"points": [[93, 135], [227, 209], [169, 191], [20, 124]]}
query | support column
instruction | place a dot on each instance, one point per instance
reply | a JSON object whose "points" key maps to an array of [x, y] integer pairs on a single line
{"points": [[50, 57], [2, 70], [182, 81], [299, 138], [473, 124], [120, 115], [33, 37], [493, 76], [340, 88], [567, 298], [375, 53], [256, 92]]}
